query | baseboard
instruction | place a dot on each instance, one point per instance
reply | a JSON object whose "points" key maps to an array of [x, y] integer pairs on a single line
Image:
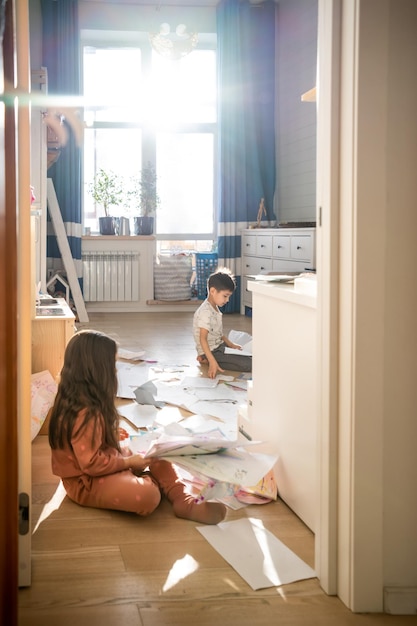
{"points": [[400, 600], [192, 302]]}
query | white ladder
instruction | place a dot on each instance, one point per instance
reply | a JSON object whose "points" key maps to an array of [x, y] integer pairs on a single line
{"points": [[63, 245]]}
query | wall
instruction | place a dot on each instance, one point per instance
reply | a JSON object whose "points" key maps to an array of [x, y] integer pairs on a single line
{"points": [[35, 34], [117, 16], [295, 199], [400, 389]]}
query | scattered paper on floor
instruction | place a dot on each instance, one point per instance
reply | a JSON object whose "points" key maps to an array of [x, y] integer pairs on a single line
{"points": [[259, 557]]}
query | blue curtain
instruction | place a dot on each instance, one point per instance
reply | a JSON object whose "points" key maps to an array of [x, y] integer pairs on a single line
{"points": [[61, 54], [246, 149]]}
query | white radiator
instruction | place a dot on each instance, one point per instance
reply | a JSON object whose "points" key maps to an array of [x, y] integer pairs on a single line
{"points": [[110, 276]]}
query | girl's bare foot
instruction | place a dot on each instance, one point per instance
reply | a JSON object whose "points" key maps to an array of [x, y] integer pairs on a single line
{"points": [[202, 358]]}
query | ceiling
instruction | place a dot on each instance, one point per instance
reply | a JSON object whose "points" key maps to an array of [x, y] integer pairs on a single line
{"points": [[163, 3], [175, 3]]}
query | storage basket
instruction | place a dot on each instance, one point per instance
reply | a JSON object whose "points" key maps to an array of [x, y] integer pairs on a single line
{"points": [[172, 277], [205, 264]]}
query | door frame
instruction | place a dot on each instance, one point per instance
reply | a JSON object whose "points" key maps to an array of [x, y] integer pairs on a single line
{"points": [[25, 283], [351, 164], [328, 121], [8, 331]]}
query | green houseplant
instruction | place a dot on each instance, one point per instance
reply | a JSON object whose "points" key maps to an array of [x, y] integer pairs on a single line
{"points": [[106, 190], [144, 197]]}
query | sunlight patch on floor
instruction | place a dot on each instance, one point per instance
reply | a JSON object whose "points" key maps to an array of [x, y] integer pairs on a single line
{"points": [[181, 569], [51, 506]]}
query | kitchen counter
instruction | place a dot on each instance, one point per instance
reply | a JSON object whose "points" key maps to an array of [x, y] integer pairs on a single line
{"points": [[284, 396], [286, 292]]}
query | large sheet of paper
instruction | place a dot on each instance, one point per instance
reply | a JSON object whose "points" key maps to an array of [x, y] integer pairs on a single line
{"points": [[241, 339], [256, 554], [129, 377], [176, 440], [131, 355], [237, 467], [276, 278], [221, 401], [141, 416]]}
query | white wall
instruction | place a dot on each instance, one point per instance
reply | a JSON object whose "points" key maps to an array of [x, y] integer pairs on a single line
{"points": [[296, 50], [400, 311], [119, 16], [35, 34]]}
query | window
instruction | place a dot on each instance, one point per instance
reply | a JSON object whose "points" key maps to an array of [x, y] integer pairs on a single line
{"points": [[140, 108]]}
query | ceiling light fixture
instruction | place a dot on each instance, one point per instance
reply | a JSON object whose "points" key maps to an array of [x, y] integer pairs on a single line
{"points": [[173, 45]]}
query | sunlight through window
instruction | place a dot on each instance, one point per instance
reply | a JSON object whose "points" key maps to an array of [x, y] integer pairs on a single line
{"points": [[140, 108]]}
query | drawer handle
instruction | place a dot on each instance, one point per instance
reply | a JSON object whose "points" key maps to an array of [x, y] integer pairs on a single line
{"points": [[279, 247], [298, 247]]}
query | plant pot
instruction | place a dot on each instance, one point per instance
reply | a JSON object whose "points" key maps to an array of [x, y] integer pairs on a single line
{"points": [[106, 225], [122, 226], [143, 225]]}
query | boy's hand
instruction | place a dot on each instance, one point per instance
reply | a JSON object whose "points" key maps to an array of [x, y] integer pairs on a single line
{"points": [[213, 369]]}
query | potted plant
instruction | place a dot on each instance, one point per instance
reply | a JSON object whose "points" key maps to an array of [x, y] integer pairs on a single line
{"points": [[107, 191], [143, 194]]}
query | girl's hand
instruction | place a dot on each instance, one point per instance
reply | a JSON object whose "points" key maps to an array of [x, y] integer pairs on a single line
{"points": [[123, 434], [136, 462]]}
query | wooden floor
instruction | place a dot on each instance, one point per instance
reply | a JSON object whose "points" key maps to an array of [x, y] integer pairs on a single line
{"points": [[93, 567]]}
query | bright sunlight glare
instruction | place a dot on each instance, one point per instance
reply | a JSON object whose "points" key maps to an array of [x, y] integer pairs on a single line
{"points": [[261, 536], [181, 569], [51, 506]]}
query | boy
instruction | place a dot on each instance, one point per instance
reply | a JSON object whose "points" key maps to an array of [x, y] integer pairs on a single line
{"points": [[208, 328]]}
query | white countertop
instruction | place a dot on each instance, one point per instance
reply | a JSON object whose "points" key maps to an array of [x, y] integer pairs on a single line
{"points": [[285, 292]]}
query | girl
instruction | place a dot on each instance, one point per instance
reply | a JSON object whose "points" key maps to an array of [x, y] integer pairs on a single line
{"points": [[84, 440]]}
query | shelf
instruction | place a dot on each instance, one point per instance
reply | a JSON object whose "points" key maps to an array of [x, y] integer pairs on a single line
{"points": [[309, 96]]}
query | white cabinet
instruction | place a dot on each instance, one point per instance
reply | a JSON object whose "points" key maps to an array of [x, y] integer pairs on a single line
{"points": [[275, 250], [283, 410]]}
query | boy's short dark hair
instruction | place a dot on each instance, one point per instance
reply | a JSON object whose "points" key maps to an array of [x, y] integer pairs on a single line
{"points": [[222, 280]]}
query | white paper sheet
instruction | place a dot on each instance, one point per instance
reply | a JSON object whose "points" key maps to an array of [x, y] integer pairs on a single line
{"points": [[188, 399], [143, 416], [256, 554], [146, 394], [241, 339], [276, 278], [130, 376], [234, 467], [131, 355], [192, 382]]}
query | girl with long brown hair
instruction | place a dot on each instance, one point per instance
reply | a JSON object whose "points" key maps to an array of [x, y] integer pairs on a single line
{"points": [[84, 441]]}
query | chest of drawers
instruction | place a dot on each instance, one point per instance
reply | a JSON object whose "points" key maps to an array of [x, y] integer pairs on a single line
{"points": [[275, 250]]}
